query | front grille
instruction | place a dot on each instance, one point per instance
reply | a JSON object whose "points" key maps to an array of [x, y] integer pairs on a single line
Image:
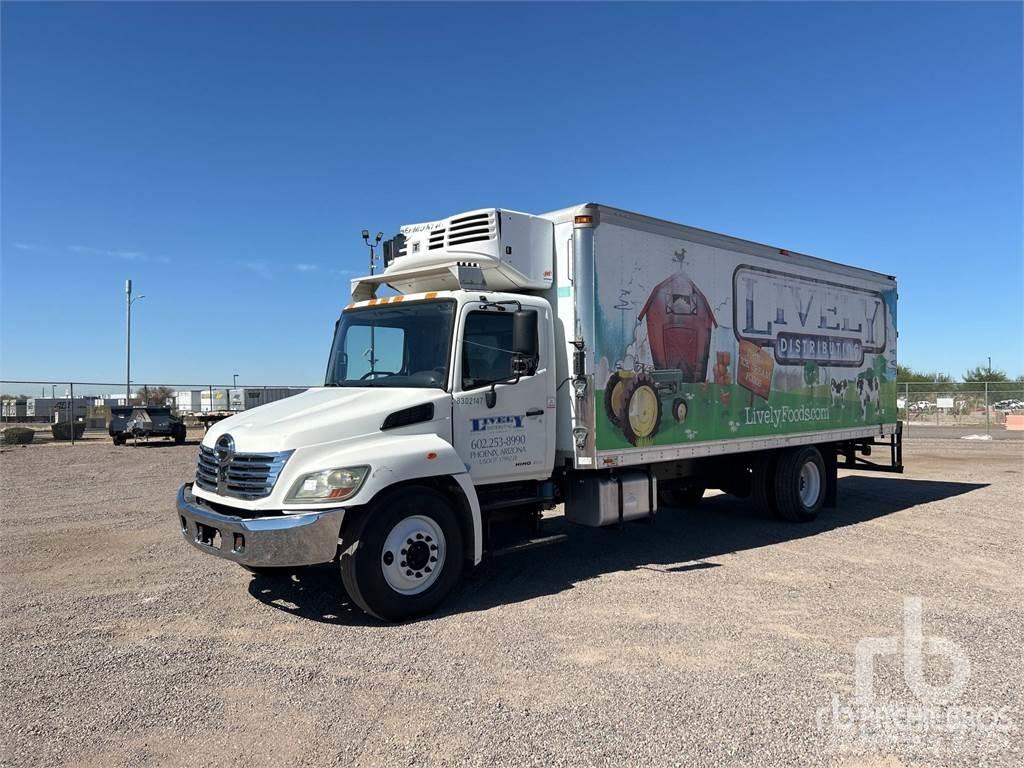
{"points": [[246, 476]]}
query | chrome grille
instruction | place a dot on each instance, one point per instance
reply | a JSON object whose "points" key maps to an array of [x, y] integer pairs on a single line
{"points": [[245, 476]]}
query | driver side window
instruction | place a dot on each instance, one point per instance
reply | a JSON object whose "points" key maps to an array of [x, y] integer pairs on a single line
{"points": [[486, 349]]}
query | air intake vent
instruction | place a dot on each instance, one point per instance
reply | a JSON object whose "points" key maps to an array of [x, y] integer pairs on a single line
{"points": [[436, 240], [414, 415], [474, 228]]}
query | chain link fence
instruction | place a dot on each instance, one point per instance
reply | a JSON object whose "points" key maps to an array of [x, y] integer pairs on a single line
{"points": [[80, 410], [982, 405], [39, 405]]}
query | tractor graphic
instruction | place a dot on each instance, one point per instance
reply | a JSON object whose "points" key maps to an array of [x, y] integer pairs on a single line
{"points": [[679, 325]]}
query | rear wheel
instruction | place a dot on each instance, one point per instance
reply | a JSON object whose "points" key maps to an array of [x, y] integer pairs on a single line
{"points": [[800, 484], [762, 484], [179, 434], [119, 439], [403, 554]]}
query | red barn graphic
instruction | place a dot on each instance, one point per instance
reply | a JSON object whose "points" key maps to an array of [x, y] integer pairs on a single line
{"points": [[679, 325]]}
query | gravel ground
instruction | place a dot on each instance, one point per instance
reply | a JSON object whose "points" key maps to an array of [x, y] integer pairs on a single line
{"points": [[710, 638]]}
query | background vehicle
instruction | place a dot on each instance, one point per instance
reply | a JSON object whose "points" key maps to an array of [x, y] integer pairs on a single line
{"points": [[144, 421], [590, 356]]}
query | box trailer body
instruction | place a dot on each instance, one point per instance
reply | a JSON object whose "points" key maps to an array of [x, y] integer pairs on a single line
{"points": [[188, 400], [243, 398], [590, 356], [215, 399], [15, 409], [57, 408], [723, 345]]}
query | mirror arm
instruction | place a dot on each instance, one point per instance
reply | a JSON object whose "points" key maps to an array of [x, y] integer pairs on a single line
{"points": [[491, 395]]}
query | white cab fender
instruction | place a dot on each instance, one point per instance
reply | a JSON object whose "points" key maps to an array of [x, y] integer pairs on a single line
{"points": [[399, 458]]}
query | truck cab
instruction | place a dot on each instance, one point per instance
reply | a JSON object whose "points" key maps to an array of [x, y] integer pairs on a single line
{"points": [[437, 395]]}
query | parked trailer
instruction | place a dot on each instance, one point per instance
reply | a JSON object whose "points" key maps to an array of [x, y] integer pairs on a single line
{"points": [[244, 398], [144, 422], [592, 357], [51, 409], [15, 409], [188, 400]]}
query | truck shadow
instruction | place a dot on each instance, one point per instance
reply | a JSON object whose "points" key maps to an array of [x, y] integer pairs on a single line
{"points": [[680, 542]]}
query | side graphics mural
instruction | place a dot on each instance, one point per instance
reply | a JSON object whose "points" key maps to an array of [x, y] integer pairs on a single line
{"points": [[699, 343]]}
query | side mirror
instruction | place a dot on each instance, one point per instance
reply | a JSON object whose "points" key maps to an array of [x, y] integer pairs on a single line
{"points": [[524, 333]]}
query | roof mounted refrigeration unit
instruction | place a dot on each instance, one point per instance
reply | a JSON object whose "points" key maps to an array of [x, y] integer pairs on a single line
{"points": [[486, 249]]}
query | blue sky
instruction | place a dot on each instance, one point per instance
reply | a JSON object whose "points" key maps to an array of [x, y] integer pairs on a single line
{"points": [[226, 156]]}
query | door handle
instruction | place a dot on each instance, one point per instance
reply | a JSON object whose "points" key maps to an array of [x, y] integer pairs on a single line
{"points": [[535, 412]]}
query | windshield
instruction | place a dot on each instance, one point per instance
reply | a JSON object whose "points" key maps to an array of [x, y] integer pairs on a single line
{"points": [[399, 345]]}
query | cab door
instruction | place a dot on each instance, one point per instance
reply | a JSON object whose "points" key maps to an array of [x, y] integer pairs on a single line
{"points": [[515, 439]]}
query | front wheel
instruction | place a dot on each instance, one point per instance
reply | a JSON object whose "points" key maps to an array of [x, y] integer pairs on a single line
{"points": [[402, 555]]}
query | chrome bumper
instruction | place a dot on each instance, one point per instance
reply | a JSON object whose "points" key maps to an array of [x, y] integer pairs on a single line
{"points": [[282, 540]]}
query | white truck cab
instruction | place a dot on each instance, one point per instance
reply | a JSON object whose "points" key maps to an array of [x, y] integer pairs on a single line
{"points": [[476, 393]]}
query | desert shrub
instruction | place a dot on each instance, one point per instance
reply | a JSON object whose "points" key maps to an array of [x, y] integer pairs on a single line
{"points": [[16, 436], [62, 430]]}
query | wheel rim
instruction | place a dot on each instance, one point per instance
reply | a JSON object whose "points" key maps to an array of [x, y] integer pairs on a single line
{"points": [[643, 411], [413, 555], [810, 484]]}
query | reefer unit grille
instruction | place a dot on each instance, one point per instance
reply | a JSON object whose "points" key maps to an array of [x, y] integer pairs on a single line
{"points": [[473, 228]]}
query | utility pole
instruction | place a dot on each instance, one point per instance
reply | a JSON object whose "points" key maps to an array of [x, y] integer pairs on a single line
{"points": [[128, 341], [235, 382], [373, 265]]}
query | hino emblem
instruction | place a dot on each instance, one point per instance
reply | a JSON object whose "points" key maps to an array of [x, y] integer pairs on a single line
{"points": [[224, 450]]}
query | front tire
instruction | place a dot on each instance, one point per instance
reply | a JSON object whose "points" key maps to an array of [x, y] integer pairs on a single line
{"points": [[402, 554]]}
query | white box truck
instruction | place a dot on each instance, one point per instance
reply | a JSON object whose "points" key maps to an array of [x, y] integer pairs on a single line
{"points": [[589, 357]]}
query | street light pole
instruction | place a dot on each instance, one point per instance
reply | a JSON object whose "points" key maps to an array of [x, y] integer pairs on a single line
{"points": [[235, 382], [128, 341]]}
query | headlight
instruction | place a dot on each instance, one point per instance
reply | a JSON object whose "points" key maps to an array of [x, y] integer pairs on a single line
{"points": [[328, 485]]}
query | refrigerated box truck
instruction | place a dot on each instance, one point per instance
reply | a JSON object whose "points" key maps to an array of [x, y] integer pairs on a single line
{"points": [[504, 363]]}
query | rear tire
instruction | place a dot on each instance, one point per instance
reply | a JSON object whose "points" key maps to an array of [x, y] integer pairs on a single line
{"points": [[179, 435], [402, 554], [762, 485], [800, 484]]}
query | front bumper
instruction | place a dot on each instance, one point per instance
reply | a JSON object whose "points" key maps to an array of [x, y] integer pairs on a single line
{"points": [[305, 538]]}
